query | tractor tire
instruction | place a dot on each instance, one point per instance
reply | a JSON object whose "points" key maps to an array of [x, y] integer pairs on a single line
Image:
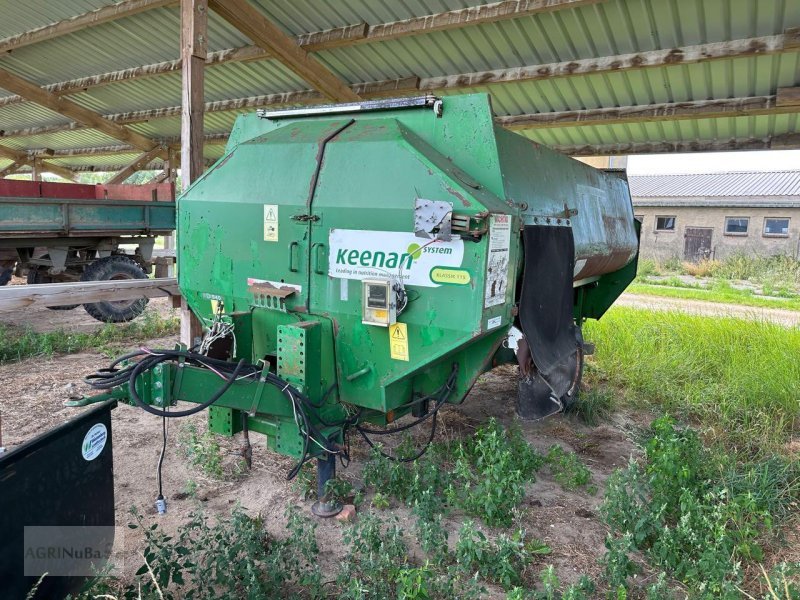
{"points": [[5, 275], [38, 275], [535, 400], [111, 268]]}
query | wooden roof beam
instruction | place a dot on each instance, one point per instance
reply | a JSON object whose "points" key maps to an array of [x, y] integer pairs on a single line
{"points": [[668, 111], [31, 91], [374, 89], [99, 16], [761, 46], [472, 15], [48, 167], [138, 164], [779, 142], [349, 35], [11, 169], [264, 33]]}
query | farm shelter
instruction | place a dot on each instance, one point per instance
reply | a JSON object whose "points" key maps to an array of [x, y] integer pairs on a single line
{"points": [[153, 85], [693, 217], [87, 85], [91, 85]]}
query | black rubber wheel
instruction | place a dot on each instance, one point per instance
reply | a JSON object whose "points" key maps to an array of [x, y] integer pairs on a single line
{"points": [[5, 275], [536, 401], [39, 275], [110, 268]]}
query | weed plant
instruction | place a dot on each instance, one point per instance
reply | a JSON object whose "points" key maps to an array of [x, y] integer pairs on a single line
{"points": [[696, 520], [202, 451], [568, 470], [485, 475], [16, 344]]}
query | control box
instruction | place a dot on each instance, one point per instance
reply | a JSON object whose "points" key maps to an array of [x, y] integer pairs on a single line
{"points": [[379, 306]]}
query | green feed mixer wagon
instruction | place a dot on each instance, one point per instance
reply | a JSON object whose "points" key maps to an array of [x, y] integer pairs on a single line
{"points": [[359, 263]]}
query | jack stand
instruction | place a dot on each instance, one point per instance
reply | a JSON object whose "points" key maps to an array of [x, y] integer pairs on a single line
{"points": [[247, 450], [326, 470]]}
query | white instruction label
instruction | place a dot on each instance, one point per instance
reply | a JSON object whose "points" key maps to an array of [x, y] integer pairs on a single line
{"points": [[270, 222], [493, 322], [497, 261], [357, 254]]}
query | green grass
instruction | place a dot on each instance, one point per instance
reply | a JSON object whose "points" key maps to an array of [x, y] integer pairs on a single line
{"points": [[719, 292], [737, 379], [19, 344], [775, 273]]}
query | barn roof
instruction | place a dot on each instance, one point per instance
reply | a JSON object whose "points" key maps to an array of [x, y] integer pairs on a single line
{"points": [[756, 184], [584, 76]]}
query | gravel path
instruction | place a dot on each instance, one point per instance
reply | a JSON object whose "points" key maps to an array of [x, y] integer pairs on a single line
{"points": [[789, 318]]}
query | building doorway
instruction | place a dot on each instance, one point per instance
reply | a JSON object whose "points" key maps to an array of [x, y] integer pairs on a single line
{"points": [[697, 244]]}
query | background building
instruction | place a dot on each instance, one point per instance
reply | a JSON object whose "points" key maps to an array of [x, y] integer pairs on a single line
{"points": [[715, 215]]}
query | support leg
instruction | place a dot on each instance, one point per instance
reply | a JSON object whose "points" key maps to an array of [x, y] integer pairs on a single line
{"points": [[326, 470]]}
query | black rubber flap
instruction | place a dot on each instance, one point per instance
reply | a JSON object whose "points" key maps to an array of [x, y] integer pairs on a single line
{"points": [[63, 480], [546, 304]]}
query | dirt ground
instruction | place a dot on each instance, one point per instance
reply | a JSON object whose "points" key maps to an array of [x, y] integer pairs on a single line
{"points": [[31, 402]]}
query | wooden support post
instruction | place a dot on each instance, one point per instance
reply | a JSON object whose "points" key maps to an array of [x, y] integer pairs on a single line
{"points": [[36, 169], [194, 19], [171, 166], [194, 48]]}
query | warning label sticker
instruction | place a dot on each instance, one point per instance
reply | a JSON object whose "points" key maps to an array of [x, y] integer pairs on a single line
{"points": [[270, 222], [398, 341], [497, 261]]}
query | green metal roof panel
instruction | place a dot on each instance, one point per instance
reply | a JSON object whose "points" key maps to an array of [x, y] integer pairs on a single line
{"points": [[603, 29]]}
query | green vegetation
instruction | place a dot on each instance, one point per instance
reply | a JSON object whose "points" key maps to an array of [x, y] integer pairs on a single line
{"points": [[16, 344], [202, 451], [776, 281], [691, 512], [775, 273], [484, 475], [568, 470], [735, 378]]}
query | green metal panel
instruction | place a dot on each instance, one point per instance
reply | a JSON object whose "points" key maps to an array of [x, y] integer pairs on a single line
{"points": [[283, 229]]}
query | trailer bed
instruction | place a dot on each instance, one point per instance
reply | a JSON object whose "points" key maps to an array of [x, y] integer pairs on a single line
{"points": [[40, 209]]}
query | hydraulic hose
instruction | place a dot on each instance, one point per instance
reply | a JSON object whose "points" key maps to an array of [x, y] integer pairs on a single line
{"points": [[145, 365]]}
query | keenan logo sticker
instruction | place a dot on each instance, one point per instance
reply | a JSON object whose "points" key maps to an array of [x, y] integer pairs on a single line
{"points": [[357, 254]]}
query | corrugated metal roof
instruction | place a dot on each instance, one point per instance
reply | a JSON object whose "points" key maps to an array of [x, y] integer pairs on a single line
{"points": [[607, 28], [755, 184]]}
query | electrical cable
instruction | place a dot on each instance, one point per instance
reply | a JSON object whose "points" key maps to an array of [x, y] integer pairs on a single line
{"points": [[441, 397], [114, 375]]}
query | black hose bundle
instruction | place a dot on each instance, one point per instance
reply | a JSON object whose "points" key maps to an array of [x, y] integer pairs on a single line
{"points": [[231, 373]]}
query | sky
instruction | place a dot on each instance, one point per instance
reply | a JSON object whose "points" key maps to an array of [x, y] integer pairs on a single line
{"points": [[765, 160]]}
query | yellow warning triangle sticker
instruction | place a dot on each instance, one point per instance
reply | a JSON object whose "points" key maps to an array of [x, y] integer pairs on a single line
{"points": [[398, 334]]}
